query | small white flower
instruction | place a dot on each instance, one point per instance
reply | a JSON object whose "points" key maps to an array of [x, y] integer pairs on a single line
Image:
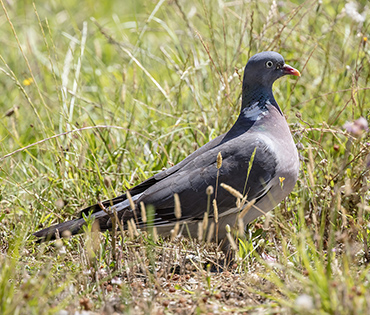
{"points": [[350, 9], [62, 251], [116, 281], [304, 301]]}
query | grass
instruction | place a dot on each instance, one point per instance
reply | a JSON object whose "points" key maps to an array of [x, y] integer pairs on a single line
{"points": [[98, 96]]}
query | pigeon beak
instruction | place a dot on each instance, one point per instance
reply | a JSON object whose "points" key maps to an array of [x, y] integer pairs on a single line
{"points": [[290, 70]]}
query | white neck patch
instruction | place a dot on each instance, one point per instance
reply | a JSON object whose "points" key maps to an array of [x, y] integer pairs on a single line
{"points": [[254, 112]]}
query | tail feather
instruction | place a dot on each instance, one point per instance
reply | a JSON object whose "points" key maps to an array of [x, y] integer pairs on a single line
{"points": [[120, 204], [48, 234]]}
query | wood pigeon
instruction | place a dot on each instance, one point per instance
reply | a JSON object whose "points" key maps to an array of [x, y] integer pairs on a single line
{"points": [[259, 159]]}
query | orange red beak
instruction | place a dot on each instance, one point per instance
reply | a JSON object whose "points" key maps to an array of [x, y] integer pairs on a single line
{"points": [[290, 70]]}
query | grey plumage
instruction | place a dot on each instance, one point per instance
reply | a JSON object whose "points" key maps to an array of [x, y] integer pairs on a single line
{"points": [[260, 128]]}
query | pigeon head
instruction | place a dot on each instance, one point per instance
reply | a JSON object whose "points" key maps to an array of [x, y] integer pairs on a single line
{"points": [[265, 68], [261, 71]]}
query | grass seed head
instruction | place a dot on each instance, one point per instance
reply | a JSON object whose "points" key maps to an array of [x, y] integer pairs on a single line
{"points": [[66, 234], [205, 221], [133, 224], [155, 234], [210, 232], [177, 206], [219, 160], [215, 210], [130, 229], [200, 231], [132, 204], [232, 191], [143, 211], [209, 190]]}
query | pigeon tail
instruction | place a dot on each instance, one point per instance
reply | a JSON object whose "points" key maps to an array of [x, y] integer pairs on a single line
{"points": [[50, 233], [99, 212]]}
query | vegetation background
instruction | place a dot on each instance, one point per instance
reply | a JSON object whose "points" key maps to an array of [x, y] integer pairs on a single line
{"points": [[96, 96]]}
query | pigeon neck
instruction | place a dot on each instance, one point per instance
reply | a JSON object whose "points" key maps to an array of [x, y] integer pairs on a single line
{"points": [[255, 105], [257, 95]]}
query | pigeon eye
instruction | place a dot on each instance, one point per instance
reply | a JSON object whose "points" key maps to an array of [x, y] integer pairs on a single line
{"points": [[269, 64]]}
